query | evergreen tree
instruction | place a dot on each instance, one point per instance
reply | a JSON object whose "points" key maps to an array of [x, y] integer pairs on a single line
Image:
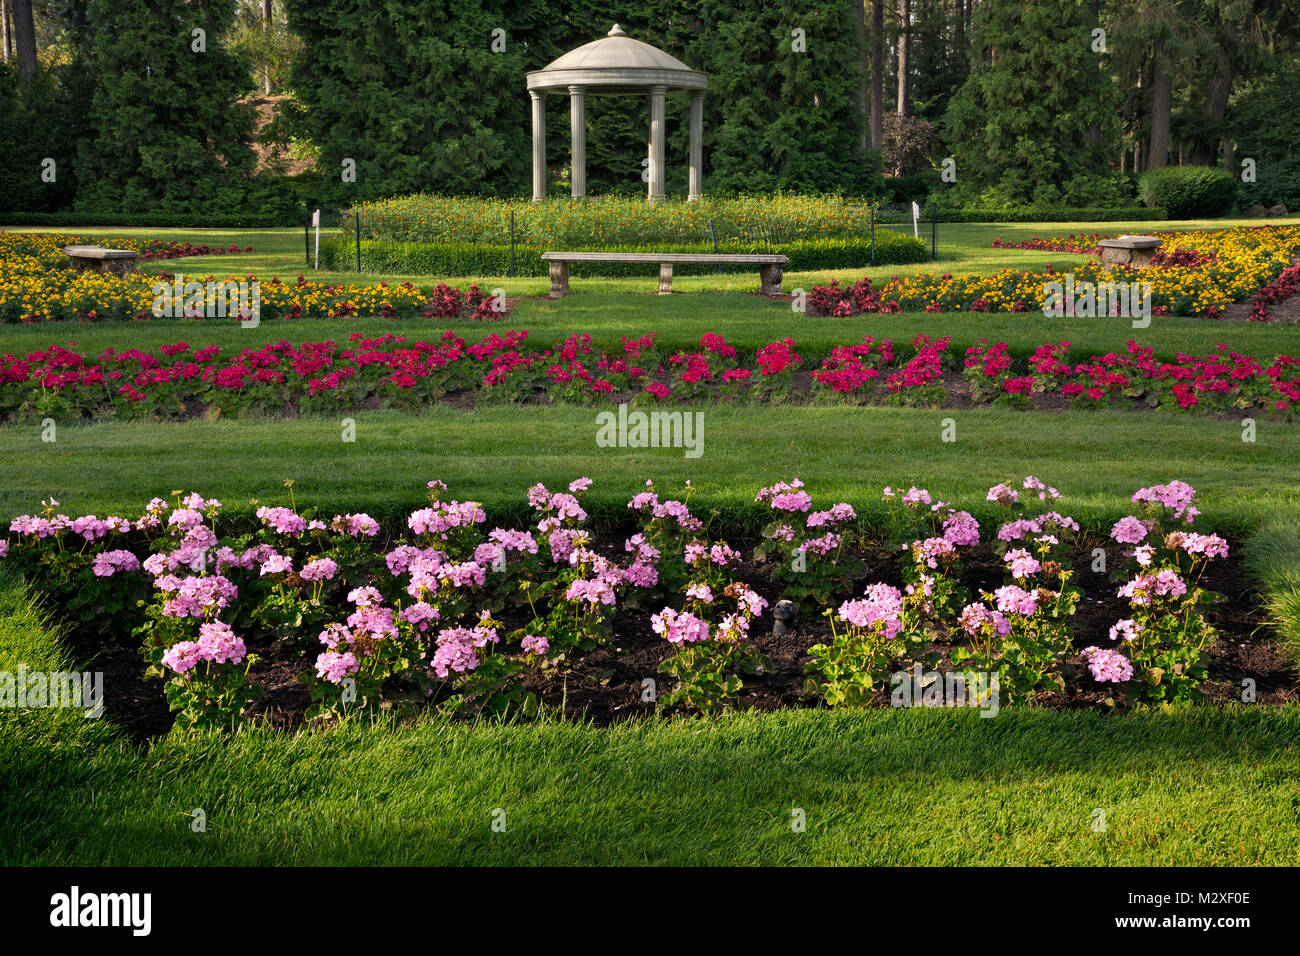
{"points": [[936, 66], [413, 92], [167, 131], [1035, 122]]}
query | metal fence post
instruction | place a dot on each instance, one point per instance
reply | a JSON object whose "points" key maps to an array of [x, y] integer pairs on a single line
{"points": [[512, 243], [934, 233], [306, 236], [356, 213]]}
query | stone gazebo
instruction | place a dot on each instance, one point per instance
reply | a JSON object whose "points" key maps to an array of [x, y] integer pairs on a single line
{"points": [[616, 65]]}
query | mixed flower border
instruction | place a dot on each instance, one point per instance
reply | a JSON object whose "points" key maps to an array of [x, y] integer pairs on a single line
{"points": [[416, 622], [1196, 273], [36, 285]]}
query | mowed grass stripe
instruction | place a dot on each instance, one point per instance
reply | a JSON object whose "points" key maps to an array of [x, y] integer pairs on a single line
{"points": [[746, 322], [493, 454], [878, 787]]}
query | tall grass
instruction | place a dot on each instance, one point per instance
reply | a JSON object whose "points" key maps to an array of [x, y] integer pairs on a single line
{"points": [[610, 222]]}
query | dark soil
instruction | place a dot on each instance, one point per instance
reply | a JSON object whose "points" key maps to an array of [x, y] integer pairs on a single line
{"points": [[1286, 312], [606, 684]]}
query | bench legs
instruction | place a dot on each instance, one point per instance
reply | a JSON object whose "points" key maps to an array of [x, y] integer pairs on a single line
{"points": [[117, 267], [559, 279], [665, 278], [769, 279]]}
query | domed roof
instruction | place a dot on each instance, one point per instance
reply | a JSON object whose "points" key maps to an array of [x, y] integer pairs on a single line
{"points": [[616, 63]]}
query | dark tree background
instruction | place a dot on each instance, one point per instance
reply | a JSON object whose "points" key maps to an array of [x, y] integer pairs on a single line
{"points": [[414, 93]]}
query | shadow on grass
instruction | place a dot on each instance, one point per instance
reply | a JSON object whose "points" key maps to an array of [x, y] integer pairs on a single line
{"points": [[926, 786]]}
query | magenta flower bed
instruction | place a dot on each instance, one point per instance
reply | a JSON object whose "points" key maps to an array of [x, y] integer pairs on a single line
{"points": [[181, 380], [158, 249]]}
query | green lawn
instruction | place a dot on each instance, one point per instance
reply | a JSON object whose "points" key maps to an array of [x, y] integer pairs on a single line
{"points": [[1208, 786], [494, 453], [876, 788]]}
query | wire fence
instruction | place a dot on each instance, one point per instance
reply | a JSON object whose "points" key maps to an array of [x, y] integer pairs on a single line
{"points": [[332, 223]]}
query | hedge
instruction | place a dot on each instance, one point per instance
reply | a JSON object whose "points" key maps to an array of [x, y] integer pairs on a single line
{"points": [[1189, 192], [1048, 214], [240, 220], [484, 259]]}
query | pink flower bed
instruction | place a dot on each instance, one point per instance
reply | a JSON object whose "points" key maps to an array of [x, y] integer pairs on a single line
{"points": [[390, 371], [421, 616]]}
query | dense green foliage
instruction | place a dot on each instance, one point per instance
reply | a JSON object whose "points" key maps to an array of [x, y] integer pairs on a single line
{"points": [[250, 217], [413, 91], [1034, 121], [781, 119], [168, 134], [1187, 192], [1268, 117], [21, 187], [430, 96], [142, 118]]}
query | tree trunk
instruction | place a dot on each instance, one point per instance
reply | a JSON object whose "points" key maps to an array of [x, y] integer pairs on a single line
{"points": [[864, 81], [1161, 93], [4, 28], [959, 34], [1205, 152], [24, 40], [904, 43], [877, 73], [1094, 131], [266, 68]]}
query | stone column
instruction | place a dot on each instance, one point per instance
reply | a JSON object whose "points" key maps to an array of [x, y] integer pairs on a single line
{"points": [[697, 146], [578, 132], [657, 142], [539, 145]]}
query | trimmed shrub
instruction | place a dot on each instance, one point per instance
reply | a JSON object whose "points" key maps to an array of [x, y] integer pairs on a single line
{"points": [[1188, 192], [1049, 214], [1276, 182], [492, 259], [613, 222], [251, 219]]}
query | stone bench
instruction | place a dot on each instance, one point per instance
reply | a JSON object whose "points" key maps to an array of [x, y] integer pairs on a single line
{"points": [[1135, 251], [770, 267], [98, 259]]}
